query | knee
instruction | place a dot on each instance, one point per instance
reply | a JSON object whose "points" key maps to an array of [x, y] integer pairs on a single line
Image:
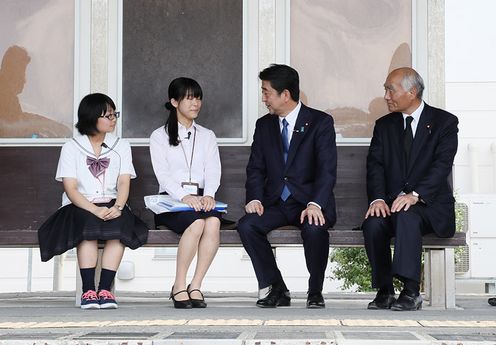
{"points": [[212, 226], [407, 221], [245, 224], [374, 227], [196, 228], [406, 216], [313, 231]]}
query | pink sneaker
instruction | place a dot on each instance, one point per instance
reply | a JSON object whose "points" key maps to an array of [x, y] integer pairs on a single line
{"points": [[107, 300], [89, 300]]}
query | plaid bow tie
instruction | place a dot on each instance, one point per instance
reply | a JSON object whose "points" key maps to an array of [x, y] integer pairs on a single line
{"points": [[97, 166]]}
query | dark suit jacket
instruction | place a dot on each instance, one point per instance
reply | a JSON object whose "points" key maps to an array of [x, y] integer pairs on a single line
{"points": [[426, 172], [310, 170]]}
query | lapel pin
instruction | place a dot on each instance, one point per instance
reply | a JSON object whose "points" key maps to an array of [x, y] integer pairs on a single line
{"points": [[429, 129]]}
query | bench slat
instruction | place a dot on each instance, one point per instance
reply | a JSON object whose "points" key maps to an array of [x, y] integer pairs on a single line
{"points": [[286, 236]]}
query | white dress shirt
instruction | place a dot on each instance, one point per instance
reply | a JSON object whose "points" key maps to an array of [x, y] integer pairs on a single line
{"points": [[416, 118], [171, 163], [291, 118], [72, 163]]}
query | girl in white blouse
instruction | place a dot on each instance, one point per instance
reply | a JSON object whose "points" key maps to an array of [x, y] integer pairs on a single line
{"points": [[95, 168], [186, 162]]}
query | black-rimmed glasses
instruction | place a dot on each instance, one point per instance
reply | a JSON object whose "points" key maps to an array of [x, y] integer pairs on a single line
{"points": [[112, 116]]}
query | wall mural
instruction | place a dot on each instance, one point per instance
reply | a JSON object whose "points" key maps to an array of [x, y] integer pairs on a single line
{"points": [[343, 51], [37, 69]]}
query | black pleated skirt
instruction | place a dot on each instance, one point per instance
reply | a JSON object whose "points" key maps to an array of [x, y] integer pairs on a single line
{"points": [[71, 225]]}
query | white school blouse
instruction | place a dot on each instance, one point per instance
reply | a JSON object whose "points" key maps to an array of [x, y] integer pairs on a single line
{"points": [[72, 163], [170, 165]]}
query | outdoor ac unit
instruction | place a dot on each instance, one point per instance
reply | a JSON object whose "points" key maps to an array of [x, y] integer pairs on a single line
{"points": [[481, 235]]}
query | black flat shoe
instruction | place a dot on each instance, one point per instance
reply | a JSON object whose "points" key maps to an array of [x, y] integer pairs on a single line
{"points": [[275, 298], [492, 301], [407, 301], [315, 300], [186, 304], [195, 302], [382, 301]]}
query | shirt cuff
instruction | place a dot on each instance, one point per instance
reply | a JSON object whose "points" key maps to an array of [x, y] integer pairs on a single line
{"points": [[256, 201], [375, 201], [314, 204]]}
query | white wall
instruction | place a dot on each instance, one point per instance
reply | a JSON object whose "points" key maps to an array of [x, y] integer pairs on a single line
{"points": [[471, 90]]}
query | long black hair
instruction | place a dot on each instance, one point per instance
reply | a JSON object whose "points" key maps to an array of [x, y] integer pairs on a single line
{"points": [[179, 89]]}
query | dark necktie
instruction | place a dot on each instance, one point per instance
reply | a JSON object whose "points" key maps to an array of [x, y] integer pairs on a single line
{"points": [[408, 137], [285, 149]]}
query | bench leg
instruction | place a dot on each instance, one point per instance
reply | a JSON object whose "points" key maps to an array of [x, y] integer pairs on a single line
{"points": [[58, 271], [427, 275], [439, 268]]}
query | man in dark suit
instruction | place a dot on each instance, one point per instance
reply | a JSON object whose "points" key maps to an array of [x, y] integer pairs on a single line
{"points": [[290, 179], [410, 158]]}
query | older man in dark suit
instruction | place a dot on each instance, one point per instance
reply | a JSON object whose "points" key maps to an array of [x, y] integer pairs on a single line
{"points": [[410, 158], [290, 179]]}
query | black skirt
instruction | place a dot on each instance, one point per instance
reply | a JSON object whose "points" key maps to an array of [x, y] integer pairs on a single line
{"points": [[179, 221], [71, 225]]}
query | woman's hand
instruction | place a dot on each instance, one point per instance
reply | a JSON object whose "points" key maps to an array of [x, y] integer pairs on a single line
{"points": [[208, 203], [114, 213], [106, 213], [193, 201], [101, 212]]}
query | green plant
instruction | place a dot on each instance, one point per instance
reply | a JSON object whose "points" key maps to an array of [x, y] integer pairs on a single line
{"points": [[352, 268]]}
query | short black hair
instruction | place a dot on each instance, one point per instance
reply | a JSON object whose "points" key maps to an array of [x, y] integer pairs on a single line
{"points": [[91, 107], [282, 77]]}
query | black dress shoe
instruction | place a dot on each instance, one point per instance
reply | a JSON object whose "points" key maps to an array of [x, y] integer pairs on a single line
{"points": [[184, 304], [275, 298], [382, 301], [492, 301], [315, 300], [195, 302], [407, 301]]}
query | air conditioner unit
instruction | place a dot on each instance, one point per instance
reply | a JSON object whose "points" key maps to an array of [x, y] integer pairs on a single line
{"points": [[481, 235]]}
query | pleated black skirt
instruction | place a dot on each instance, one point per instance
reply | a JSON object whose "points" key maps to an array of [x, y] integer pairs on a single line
{"points": [[180, 221], [71, 225]]}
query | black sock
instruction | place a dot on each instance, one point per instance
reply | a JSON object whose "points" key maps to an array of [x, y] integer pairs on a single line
{"points": [[106, 279], [387, 289], [88, 278], [411, 286]]}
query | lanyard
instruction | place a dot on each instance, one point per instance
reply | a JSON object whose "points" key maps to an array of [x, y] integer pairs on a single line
{"points": [[190, 163]]}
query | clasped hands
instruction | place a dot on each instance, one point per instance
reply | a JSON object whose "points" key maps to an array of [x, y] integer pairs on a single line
{"points": [[107, 213], [379, 208], [314, 213], [199, 203]]}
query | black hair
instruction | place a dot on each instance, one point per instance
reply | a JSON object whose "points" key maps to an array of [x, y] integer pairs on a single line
{"points": [[91, 107], [282, 77], [179, 89]]}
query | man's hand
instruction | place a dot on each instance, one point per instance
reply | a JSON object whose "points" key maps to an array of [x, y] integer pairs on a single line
{"points": [[254, 206], [193, 201], [403, 202], [314, 214], [208, 203], [378, 208]]}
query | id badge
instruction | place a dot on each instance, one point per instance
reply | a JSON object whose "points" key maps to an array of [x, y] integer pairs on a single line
{"points": [[191, 188]]}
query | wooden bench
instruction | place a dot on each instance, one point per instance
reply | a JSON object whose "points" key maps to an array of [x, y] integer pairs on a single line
{"points": [[30, 195]]}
